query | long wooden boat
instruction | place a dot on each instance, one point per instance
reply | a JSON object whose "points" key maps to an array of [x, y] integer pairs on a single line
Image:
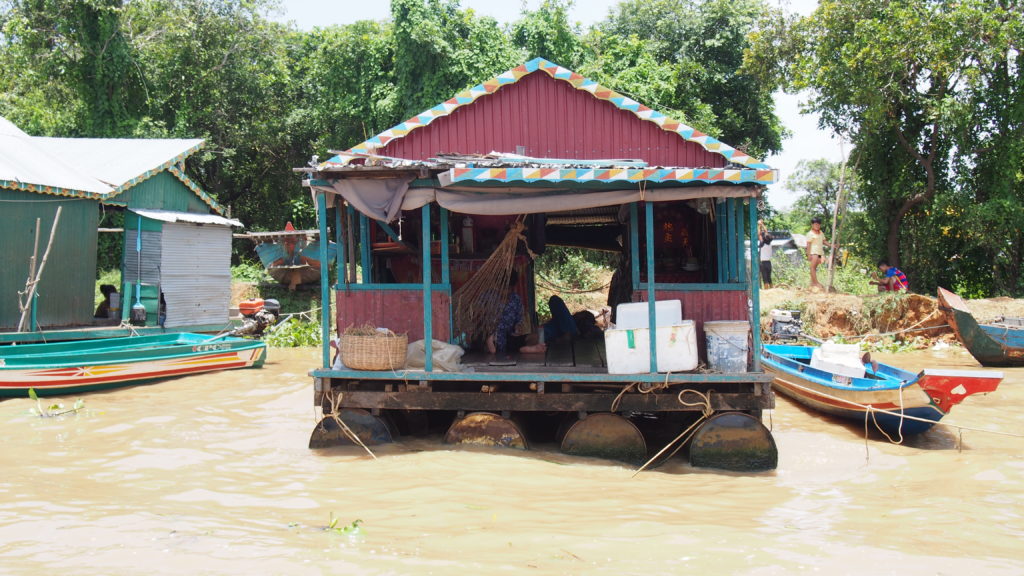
{"points": [[996, 344], [890, 394], [85, 366]]}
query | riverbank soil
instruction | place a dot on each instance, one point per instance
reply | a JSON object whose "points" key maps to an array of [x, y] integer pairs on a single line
{"points": [[905, 317]]}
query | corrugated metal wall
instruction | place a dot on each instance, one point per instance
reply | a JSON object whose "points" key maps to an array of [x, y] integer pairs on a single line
{"points": [[705, 305], [67, 288], [552, 120], [163, 192], [152, 248], [399, 310], [196, 273]]}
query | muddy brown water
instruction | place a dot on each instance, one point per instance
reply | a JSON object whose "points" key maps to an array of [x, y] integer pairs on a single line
{"points": [[210, 474]]}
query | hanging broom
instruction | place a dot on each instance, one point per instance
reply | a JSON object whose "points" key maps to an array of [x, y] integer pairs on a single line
{"points": [[479, 302]]}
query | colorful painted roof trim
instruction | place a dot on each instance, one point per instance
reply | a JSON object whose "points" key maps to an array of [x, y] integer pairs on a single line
{"points": [[742, 176], [557, 72], [52, 190], [179, 159]]}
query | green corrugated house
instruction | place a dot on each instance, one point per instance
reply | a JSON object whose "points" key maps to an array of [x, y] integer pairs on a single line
{"points": [[185, 244]]}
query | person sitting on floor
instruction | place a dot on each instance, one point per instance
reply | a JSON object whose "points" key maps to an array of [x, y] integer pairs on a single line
{"points": [[103, 310]]}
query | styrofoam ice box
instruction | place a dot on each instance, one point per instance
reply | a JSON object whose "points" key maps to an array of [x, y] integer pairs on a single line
{"points": [[636, 315], [628, 349], [841, 359]]}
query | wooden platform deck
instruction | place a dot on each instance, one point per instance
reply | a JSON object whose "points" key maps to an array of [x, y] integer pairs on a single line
{"points": [[582, 355]]}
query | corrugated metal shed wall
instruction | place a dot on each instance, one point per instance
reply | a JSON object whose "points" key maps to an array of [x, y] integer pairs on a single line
{"points": [[152, 248], [66, 291], [196, 273], [552, 120], [163, 192]]}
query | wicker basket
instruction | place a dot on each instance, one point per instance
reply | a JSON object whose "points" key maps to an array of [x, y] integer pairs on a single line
{"points": [[377, 352]]}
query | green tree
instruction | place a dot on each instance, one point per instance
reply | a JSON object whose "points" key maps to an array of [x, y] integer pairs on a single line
{"points": [[908, 82], [547, 33], [704, 42]]}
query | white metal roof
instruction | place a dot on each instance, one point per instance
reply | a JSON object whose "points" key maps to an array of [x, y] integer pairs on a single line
{"points": [[23, 161], [91, 167], [118, 161], [172, 216]]}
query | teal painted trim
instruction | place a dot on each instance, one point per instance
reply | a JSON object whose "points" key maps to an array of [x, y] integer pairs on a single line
{"points": [[350, 218], [339, 241], [696, 287], [634, 245], [91, 333], [446, 269], [388, 230], [364, 247], [445, 273], [428, 304], [729, 232], [391, 287], [35, 310], [319, 182], [755, 288], [737, 239], [325, 289], [651, 315], [412, 375]]}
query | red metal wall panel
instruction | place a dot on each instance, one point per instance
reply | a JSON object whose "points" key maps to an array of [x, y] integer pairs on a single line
{"points": [[550, 119], [399, 310], [702, 306]]}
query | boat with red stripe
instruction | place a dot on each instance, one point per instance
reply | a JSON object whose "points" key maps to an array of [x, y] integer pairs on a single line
{"points": [[898, 402], [84, 366]]}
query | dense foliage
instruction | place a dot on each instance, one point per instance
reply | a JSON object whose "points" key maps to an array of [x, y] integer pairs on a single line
{"points": [[267, 97], [931, 95]]}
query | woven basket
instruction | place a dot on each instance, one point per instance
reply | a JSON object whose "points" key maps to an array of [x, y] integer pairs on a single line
{"points": [[378, 352]]}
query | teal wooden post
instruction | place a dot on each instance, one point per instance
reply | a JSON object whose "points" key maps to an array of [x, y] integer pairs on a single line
{"points": [[339, 241], [35, 309], [652, 326], [634, 247], [755, 288], [364, 248], [325, 290], [720, 241], [428, 296], [445, 272]]}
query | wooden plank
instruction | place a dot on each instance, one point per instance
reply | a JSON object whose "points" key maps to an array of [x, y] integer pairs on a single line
{"points": [[550, 402]]}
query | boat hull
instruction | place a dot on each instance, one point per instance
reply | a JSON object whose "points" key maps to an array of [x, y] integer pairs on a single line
{"points": [[895, 401], [85, 366], [991, 345]]}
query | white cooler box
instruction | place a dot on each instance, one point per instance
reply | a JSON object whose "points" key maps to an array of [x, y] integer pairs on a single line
{"points": [[628, 349]]}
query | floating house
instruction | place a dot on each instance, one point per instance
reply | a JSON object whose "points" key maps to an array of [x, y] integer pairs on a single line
{"points": [[553, 158], [183, 251]]}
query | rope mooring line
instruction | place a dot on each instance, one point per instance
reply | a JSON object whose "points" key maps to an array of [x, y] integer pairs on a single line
{"points": [[681, 440], [869, 408]]}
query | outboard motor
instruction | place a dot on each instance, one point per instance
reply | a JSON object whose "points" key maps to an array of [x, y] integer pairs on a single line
{"points": [[257, 315], [786, 324]]}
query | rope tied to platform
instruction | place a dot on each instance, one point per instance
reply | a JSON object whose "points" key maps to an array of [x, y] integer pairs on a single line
{"points": [[684, 437], [335, 406]]}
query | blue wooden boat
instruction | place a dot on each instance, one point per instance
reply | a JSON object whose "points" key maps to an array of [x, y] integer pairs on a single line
{"points": [[88, 365], [997, 344], [894, 400]]}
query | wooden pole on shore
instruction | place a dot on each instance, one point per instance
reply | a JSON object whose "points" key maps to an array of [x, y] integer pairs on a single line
{"points": [[35, 275]]}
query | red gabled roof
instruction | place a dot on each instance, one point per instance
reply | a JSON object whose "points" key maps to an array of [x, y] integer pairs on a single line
{"points": [[539, 109]]}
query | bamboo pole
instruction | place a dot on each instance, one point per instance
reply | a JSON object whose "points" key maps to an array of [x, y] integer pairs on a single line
{"points": [[835, 219], [31, 286]]}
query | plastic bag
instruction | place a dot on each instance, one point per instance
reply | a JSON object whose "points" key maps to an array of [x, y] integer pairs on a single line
{"points": [[447, 357]]}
